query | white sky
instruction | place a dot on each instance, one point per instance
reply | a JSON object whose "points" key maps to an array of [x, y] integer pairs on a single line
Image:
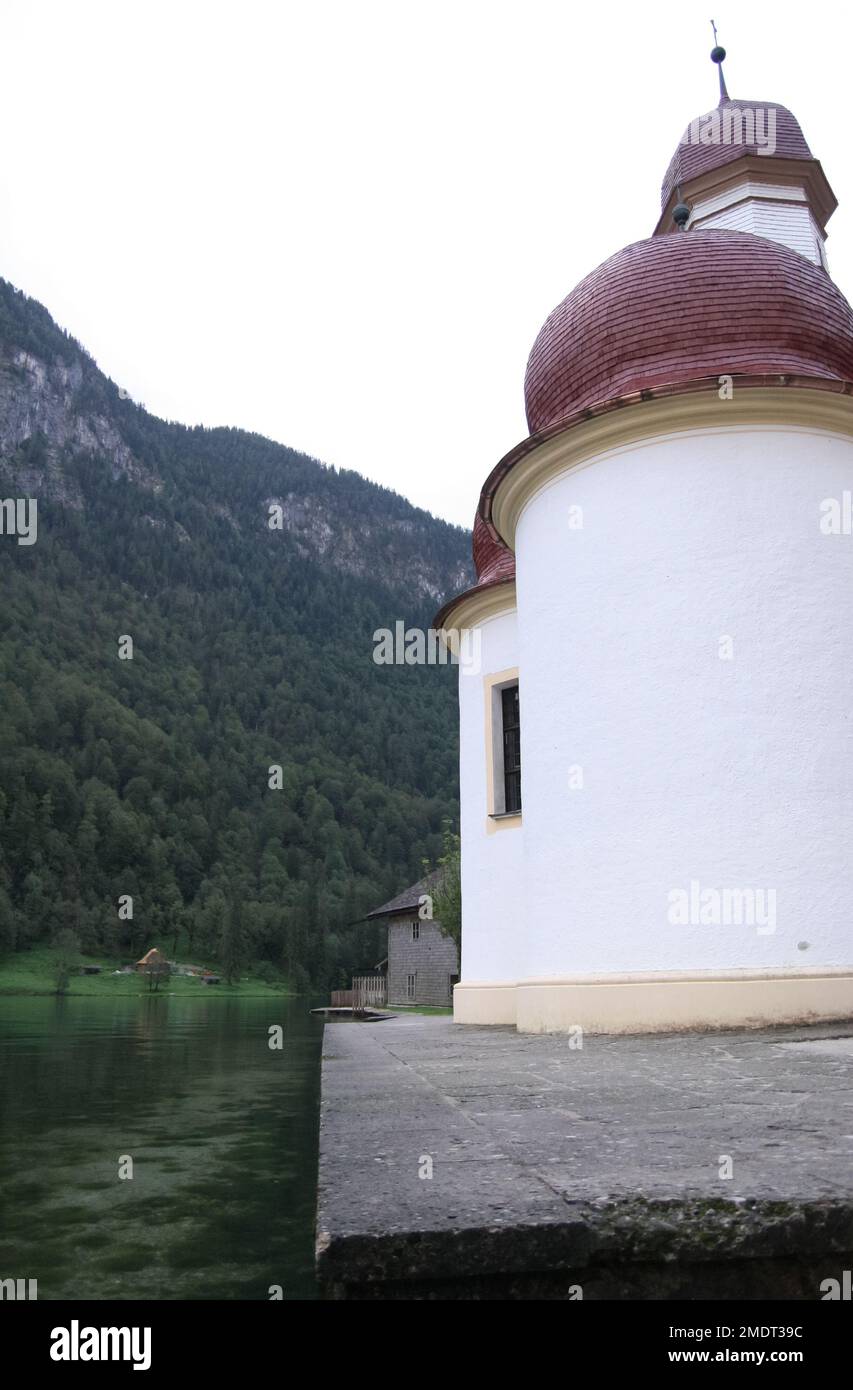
{"points": [[342, 224]]}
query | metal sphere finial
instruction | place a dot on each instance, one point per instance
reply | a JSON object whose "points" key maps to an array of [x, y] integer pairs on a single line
{"points": [[718, 54]]}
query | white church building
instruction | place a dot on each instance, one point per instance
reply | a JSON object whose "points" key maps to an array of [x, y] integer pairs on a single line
{"points": [[657, 748]]}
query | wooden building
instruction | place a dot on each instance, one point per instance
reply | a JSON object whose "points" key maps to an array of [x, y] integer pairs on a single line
{"points": [[152, 960], [423, 964]]}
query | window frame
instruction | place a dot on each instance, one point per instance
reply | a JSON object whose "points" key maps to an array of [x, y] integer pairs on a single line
{"points": [[511, 752], [499, 817]]}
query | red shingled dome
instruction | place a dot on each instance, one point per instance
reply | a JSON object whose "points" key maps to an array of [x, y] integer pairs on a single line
{"points": [[775, 129], [492, 560], [684, 306]]}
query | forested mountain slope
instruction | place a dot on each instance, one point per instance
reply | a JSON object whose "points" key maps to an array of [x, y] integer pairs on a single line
{"points": [[252, 647]]}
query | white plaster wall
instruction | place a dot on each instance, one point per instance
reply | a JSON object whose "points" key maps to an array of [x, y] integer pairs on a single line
{"points": [[492, 925], [737, 774]]}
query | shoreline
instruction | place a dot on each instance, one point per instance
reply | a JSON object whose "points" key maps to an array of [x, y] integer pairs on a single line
{"points": [[32, 975]]}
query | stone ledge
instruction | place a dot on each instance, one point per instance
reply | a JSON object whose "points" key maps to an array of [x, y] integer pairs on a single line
{"points": [[555, 1167]]}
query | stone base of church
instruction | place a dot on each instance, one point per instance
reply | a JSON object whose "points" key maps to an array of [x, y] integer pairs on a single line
{"points": [[484, 1003], [660, 1003]]}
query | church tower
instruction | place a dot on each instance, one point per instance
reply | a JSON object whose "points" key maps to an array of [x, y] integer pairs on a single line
{"points": [[657, 745]]}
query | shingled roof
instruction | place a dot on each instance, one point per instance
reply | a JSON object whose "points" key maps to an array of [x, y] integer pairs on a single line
{"points": [[686, 307], [409, 899], [695, 157]]}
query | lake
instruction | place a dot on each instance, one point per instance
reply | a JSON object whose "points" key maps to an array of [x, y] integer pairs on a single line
{"points": [[221, 1130]]}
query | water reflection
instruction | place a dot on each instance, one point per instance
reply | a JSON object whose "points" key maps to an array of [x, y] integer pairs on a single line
{"points": [[221, 1129]]}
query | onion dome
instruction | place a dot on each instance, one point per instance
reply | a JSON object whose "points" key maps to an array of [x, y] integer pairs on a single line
{"points": [[723, 135], [678, 308], [493, 561]]}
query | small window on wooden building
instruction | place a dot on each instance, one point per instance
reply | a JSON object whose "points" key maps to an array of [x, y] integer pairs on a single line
{"points": [[416, 930], [411, 983]]}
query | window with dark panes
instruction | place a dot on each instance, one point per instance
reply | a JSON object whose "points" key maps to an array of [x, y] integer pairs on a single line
{"points": [[511, 749]]}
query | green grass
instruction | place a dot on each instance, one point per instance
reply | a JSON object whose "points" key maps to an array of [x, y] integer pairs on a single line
{"points": [[34, 972], [417, 1009]]}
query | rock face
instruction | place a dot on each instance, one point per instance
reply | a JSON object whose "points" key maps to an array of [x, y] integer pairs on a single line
{"points": [[57, 407], [41, 422], [323, 532]]}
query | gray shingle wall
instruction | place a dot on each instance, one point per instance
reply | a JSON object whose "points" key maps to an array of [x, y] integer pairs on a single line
{"points": [[433, 958]]}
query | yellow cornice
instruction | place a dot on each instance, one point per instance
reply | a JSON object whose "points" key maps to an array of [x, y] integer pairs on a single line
{"points": [[477, 606], [691, 412], [797, 173]]}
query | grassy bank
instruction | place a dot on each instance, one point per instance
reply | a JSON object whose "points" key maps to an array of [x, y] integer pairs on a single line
{"points": [[418, 1009], [34, 972]]}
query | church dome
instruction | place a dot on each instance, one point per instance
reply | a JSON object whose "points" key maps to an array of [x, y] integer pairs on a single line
{"points": [[493, 561], [704, 145], [684, 306]]}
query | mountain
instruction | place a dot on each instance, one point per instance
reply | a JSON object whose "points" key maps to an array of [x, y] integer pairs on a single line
{"points": [[252, 648]]}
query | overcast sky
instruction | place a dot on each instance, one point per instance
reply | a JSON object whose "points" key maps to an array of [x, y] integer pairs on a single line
{"points": [[342, 224]]}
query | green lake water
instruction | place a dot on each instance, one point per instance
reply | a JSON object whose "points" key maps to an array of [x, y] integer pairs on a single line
{"points": [[222, 1132]]}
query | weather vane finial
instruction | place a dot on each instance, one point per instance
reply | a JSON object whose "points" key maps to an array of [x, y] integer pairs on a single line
{"points": [[718, 54]]}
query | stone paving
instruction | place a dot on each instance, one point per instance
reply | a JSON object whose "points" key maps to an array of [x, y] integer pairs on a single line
{"points": [[602, 1163]]}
